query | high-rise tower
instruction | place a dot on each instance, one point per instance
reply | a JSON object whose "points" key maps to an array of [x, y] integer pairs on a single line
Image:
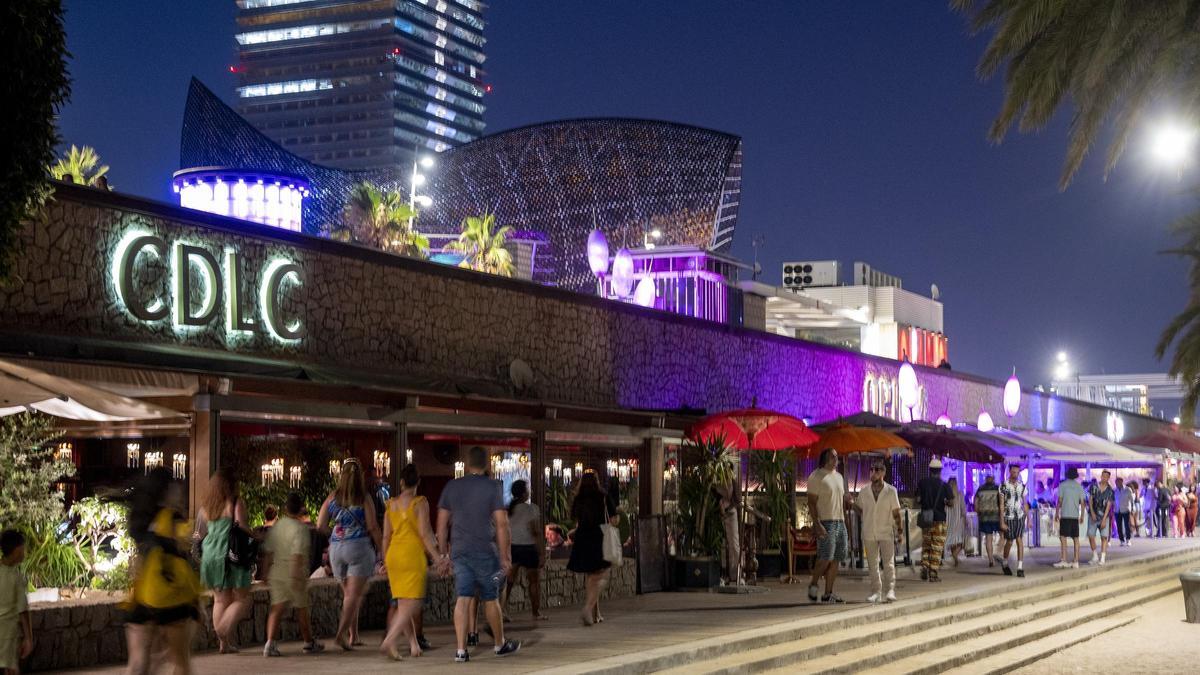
{"points": [[361, 84]]}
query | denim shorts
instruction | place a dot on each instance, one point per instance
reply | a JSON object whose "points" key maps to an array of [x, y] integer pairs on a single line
{"points": [[352, 558], [1096, 528], [477, 574], [835, 544]]}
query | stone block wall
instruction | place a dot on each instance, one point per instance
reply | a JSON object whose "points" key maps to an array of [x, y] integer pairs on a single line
{"points": [[89, 632], [428, 323]]}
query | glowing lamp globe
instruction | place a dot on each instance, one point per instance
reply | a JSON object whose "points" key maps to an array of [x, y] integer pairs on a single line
{"points": [[622, 273], [907, 381], [1012, 396], [944, 420], [984, 423], [597, 252], [645, 294]]}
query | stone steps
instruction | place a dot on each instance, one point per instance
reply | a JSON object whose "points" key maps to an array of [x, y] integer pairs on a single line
{"points": [[813, 638], [856, 648]]}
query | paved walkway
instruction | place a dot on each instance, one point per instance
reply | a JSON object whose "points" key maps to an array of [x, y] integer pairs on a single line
{"points": [[636, 624]]}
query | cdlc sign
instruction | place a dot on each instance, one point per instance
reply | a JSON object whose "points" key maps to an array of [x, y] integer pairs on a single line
{"points": [[279, 276]]}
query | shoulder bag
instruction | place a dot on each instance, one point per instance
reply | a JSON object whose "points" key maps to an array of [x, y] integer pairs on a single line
{"points": [[612, 540]]}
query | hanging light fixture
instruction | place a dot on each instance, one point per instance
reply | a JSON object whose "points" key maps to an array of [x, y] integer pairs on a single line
{"points": [[1012, 396], [944, 420], [645, 294], [597, 253], [133, 455], [984, 423], [622, 273]]}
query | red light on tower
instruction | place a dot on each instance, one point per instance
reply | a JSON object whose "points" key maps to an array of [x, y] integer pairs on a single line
{"points": [[233, 69], [487, 88], [396, 51]]}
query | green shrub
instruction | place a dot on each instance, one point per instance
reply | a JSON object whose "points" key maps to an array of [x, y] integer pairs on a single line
{"points": [[51, 561]]}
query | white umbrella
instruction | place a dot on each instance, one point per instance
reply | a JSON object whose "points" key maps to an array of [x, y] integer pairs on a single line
{"points": [[23, 388]]}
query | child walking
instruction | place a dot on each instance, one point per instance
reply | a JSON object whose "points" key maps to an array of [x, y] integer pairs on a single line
{"points": [[287, 544], [16, 634]]}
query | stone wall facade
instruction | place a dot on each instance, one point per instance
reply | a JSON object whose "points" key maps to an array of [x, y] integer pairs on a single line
{"points": [[80, 633], [430, 323]]}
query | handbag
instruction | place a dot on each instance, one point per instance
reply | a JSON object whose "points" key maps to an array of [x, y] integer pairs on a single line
{"points": [[243, 548], [612, 540], [925, 518]]}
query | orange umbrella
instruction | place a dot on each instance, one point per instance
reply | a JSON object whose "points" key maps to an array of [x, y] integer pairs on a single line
{"points": [[847, 439]]}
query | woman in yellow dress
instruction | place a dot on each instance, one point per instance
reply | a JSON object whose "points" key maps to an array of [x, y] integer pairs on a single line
{"points": [[407, 538]]}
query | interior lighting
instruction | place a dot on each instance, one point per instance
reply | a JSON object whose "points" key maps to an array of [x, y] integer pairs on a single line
{"points": [[426, 162], [243, 195], [907, 383]]}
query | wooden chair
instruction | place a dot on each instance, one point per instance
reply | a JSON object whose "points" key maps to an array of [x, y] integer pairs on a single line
{"points": [[801, 544]]}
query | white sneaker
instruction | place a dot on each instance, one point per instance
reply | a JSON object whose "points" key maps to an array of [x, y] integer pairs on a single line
{"points": [[1061, 564], [270, 649], [1101, 563], [891, 596], [1075, 565], [873, 598]]}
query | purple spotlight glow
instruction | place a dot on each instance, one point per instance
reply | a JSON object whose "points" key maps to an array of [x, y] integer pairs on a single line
{"points": [[944, 420]]}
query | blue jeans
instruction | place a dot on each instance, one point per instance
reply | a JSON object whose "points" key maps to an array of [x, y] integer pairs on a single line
{"points": [[477, 574]]}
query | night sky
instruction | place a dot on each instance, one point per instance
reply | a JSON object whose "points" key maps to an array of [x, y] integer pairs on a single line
{"points": [[864, 136]]}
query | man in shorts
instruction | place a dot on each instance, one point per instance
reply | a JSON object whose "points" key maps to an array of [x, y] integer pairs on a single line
{"points": [[827, 501], [987, 507], [1070, 507], [473, 535], [1100, 508], [1015, 509]]}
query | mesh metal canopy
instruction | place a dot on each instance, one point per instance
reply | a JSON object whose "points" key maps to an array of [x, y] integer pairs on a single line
{"points": [[626, 177]]}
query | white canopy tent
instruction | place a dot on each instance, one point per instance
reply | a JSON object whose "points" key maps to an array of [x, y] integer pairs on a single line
{"points": [[25, 388]]}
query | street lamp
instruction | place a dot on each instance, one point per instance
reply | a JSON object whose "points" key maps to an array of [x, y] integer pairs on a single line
{"points": [[651, 236], [419, 161], [1171, 144]]}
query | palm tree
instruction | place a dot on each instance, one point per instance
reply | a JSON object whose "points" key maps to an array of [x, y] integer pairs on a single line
{"points": [[382, 219], [1099, 57], [482, 249], [82, 165], [1102, 57], [1184, 329]]}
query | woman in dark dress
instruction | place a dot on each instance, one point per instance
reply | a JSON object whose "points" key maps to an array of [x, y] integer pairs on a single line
{"points": [[589, 511]]}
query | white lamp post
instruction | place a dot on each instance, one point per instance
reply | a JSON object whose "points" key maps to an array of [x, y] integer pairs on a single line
{"points": [[909, 388]]}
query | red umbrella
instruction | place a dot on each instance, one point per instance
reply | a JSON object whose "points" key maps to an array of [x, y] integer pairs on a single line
{"points": [[755, 429], [950, 444]]}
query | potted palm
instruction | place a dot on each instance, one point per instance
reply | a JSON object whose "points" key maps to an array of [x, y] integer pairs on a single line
{"points": [[706, 465], [776, 476]]}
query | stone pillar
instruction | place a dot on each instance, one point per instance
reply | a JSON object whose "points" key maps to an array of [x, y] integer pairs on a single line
{"points": [[205, 451], [537, 477], [652, 462]]}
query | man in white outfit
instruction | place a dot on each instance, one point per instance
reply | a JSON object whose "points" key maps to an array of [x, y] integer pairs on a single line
{"points": [[880, 507]]}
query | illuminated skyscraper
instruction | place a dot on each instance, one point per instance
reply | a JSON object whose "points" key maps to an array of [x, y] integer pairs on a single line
{"points": [[361, 84]]}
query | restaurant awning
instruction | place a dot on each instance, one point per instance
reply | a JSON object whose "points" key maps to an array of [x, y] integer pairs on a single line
{"points": [[24, 388]]}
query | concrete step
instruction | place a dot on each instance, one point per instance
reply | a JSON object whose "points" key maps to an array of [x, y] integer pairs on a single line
{"points": [[1028, 654], [927, 627], [880, 621], [1091, 618]]}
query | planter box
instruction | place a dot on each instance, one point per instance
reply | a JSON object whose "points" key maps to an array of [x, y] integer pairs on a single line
{"points": [[770, 565], [697, 572]]}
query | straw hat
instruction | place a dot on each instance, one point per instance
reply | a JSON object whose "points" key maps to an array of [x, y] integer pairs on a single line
{"points": [[936, 463]]}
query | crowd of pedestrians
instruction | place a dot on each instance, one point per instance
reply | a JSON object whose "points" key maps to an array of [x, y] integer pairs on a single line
{"points": [[479, 540]]}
